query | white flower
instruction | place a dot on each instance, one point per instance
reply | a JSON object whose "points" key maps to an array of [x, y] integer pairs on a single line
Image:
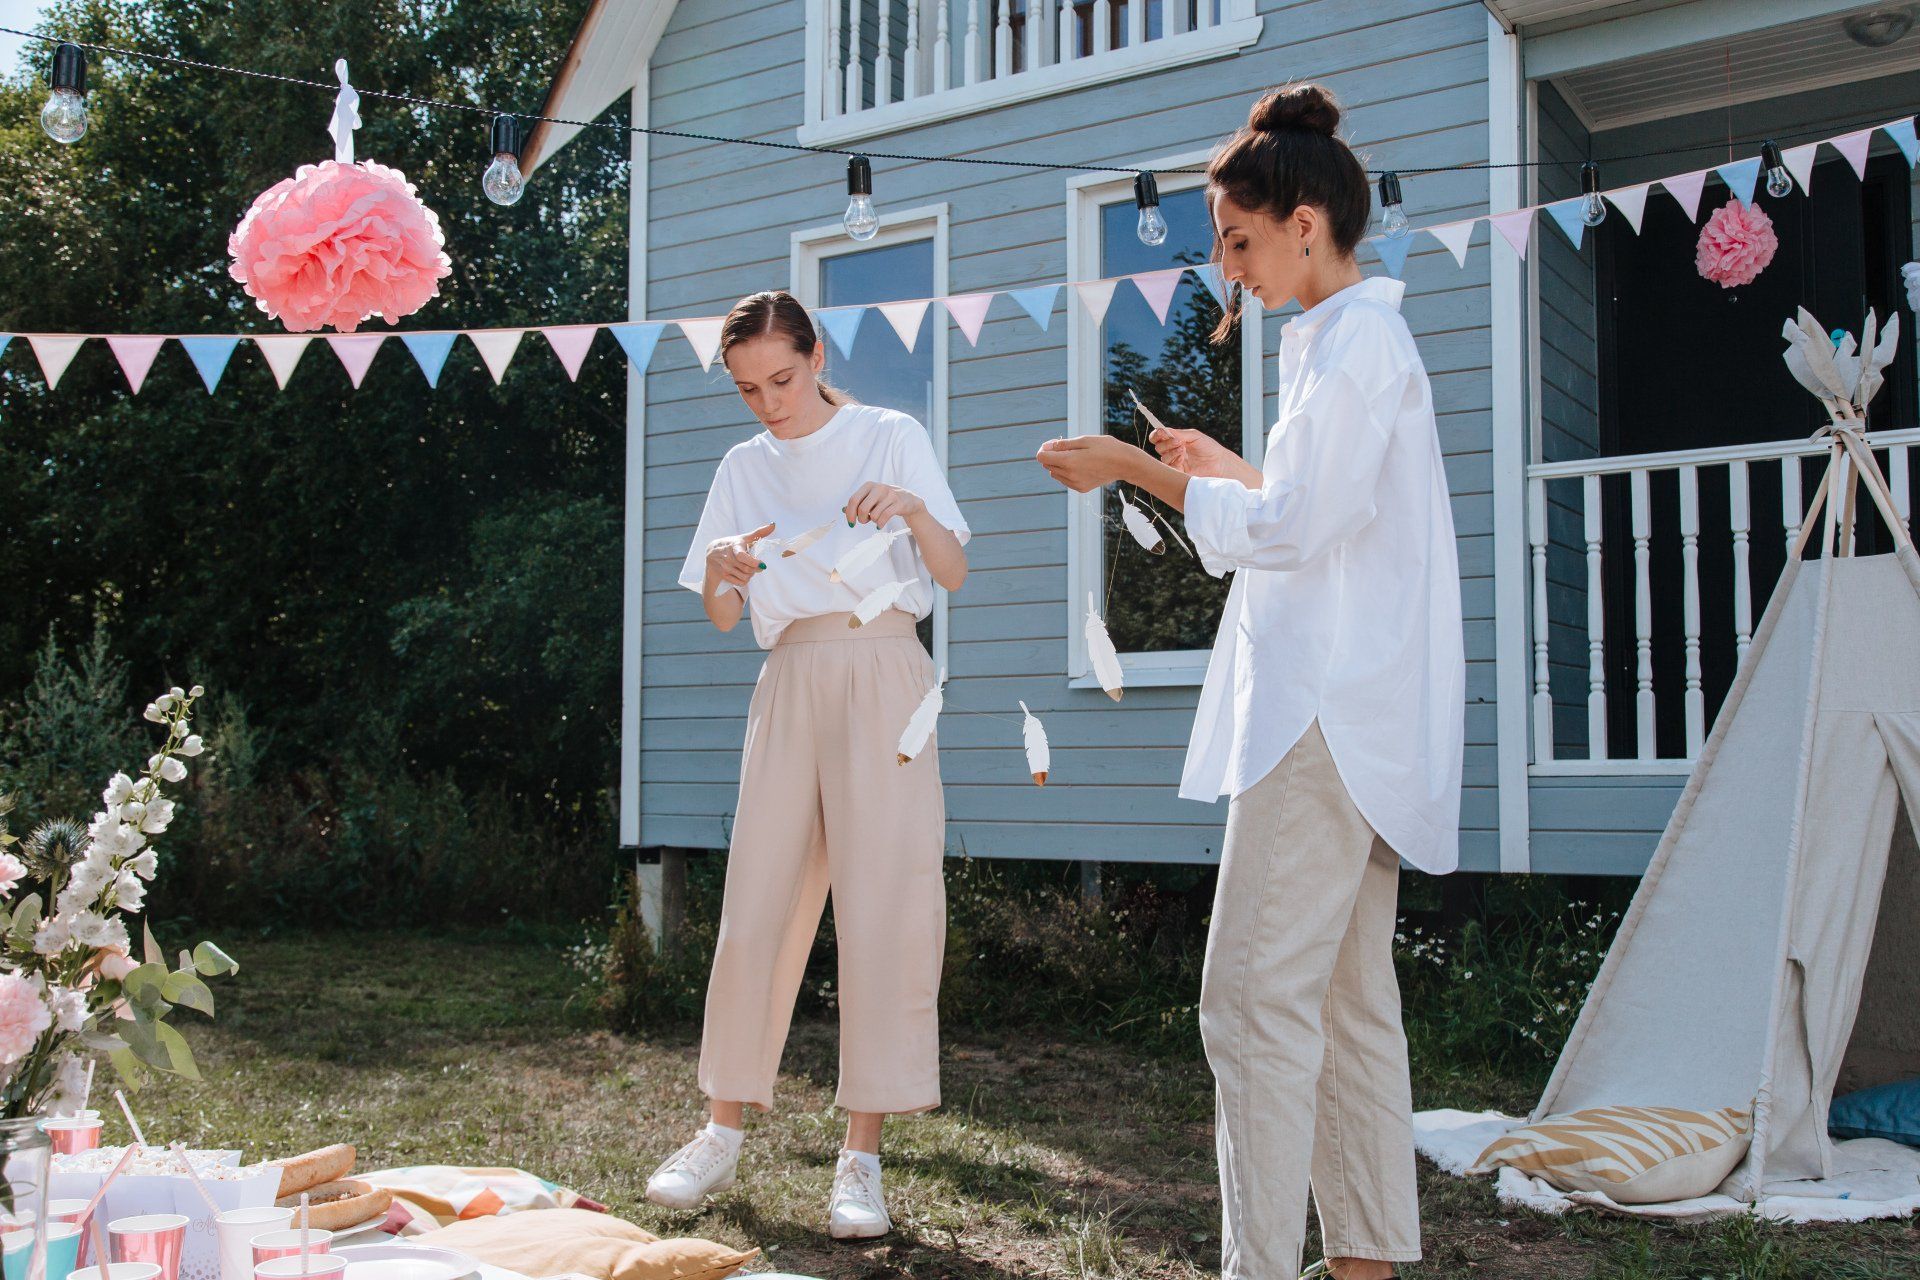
{"points": [[119, 790], [192, 746], [153, 712], [94, 930], [133, 811], [176, 693], [69, 1084], [129, 891], [53, 935], [197, 691], [170, 770], [69, 1008], [144, 865], [157, 816]]}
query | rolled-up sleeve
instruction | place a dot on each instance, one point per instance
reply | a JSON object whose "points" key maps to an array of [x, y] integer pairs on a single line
{"points": [[1318, 492]]}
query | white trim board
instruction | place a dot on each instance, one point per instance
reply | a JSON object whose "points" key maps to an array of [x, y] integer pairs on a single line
{"points": [[634, 522]]}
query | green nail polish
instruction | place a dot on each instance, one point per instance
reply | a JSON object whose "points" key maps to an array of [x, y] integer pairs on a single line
{"points": [[763, 564]]}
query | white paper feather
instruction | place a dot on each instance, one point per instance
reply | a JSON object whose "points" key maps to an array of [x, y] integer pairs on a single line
{"points": [[1143, 530], [1876, 356], [1167, 524], [807, 539], [1105, 658], [1911, 274], [877, 602], [920, 724], [1034, 734], [1146, 413], [763, 548], [863, 554]]}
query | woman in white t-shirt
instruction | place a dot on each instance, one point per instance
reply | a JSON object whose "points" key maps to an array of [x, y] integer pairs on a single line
{"points": [[825, 801]]}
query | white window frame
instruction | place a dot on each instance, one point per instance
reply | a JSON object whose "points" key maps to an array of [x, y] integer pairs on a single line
{"points": [[811, 247], [1086, 195], [826, 124]]}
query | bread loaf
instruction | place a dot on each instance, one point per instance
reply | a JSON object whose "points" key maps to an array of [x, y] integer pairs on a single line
{"points": [[333, 1205], [305, 1172]]}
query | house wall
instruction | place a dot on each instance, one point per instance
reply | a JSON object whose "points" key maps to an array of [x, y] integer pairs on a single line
{"points": [[1413, 76]]}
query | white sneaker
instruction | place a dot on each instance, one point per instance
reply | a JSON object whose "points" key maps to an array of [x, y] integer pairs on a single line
{"points": [[694, 1172], [859, 1211]]}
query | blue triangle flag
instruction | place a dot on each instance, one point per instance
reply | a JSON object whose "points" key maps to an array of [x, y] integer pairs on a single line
{"points": [[5, 338], [1901, 131], [1567, 214], [1037, 302], [430, 352], [841, 324], [638, 341], [1211, 276], [1740, 177], [1392, 251], [210, 356]]}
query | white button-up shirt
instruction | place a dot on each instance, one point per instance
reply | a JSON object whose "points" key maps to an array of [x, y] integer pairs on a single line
{"points": [[1346, 600]]}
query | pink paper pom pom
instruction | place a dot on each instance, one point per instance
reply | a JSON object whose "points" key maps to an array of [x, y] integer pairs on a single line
{"points": [[337, 243], [1736, 244]]}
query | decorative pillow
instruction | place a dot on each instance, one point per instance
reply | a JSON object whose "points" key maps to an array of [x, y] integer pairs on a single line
{"points": [[1634, 1155], [547, 1242], [1891, 1111]]}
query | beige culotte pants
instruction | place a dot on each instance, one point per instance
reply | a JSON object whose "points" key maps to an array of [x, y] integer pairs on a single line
{"points": [[1300, 1015], [824, 804]]}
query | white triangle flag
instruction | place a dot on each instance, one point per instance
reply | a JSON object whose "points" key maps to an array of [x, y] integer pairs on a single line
{"points": [[1096, 296], [496, 347], [1632, 203], [905, 319], [1854, 147], [1686, 188], [135, 354], [1799, 162], [1455, 235], [704, 334], [282, 352], [54, 355], [1515, 226], [356, 352]]}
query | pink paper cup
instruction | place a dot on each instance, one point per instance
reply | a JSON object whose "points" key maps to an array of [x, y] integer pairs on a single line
{"points": [[286, 1244], [73, 1134], [70, 1211], [118, 1271], [152, 1237], [319, 1266]]}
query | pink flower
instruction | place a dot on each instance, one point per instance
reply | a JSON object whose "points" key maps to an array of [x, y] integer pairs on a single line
{"points": [[23, 1016], [115, 965], [337, 243], [12, 871], [1736, 244]]}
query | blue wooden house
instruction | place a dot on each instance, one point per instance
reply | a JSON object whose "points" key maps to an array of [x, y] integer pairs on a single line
{"points": [[1624, 448]]}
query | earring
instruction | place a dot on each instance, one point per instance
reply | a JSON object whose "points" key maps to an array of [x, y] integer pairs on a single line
{"points": [[1306, 251]]}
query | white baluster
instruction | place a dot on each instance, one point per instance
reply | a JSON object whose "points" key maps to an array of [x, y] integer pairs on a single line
{"points": [[1542, 694], [1643, 705], [1741, 510], [1036, 23], [942, 49], [1176, 18], [1003, 40], [1791, 513], [1596, 624], [883, 58], [910, 71], [1069, 39], [1136, 23], [1102, 26], [972, 54], [836, 94], [1203, 16], [1900, 480], [1696, 698], [856, 70]]}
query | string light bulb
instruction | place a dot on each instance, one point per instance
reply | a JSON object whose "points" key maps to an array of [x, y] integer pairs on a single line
{"points": [[1779, 181], [1593, 208], [503, 182], [65, 115], [1152, 226], [860, 220], [1393, 209]]}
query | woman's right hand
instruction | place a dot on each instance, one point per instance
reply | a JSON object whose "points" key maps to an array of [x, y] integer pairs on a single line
{"points": [[1196, 453], [734, 559]]}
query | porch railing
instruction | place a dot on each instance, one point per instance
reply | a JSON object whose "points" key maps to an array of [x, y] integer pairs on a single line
{"points": [[1616, 547]]}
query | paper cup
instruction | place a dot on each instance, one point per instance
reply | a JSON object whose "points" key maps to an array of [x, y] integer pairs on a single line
{"points": [[19, 1220], [152, 1237], [63, 1246], [119, 1271], [72, 1134], [319, 1266], [70, 1211], [286, 1244], [237, 1228]]}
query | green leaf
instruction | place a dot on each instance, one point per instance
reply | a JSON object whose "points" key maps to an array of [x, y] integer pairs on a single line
{"points": [[183, 988], [212, 962], [179, 1055], [150, 949], [26, 918], [128, 1068], [145, 988]]}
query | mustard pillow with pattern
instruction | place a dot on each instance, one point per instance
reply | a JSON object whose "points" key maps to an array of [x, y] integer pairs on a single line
{"points": [[1632, 1155]]}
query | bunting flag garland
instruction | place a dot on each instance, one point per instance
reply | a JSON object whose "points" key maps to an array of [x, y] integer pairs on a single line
{"points": [[135, 352], [905, 318], [1096, 296], [282, 351], [1567, 213], [1901, 131], [54, 355], [1158, 287], [1799, 163], [430, 352], [638, 341], [1632, 203], [1455, 236], [570, 343], [704, 334], [1216, 280], [969, 311], [1393, 254], [842, 324], [1686, 188], [496, 347], [1514, 226], [356, 352], [1038, 301], [1740, 177], [1854, 147], [209, 356]]}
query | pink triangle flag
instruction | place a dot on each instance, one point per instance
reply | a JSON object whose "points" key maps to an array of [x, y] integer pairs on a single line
{"points": [[1096, 296], [1157, 288], [282, 352], [356, 352], [496, 347], [1799, 162], [1854, 147], [1455, 235], [969, 311], [1632, 203], [135, 352], [54, 355], [905, 319], [570, 343], [1686, 188], [1515, 226], [704, 334]]}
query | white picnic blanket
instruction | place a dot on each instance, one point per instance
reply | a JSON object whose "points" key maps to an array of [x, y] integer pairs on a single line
{"points": [[1872, 1178]]}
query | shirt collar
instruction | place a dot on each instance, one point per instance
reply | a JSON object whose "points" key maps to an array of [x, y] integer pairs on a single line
{"points": [[1380, 288]]}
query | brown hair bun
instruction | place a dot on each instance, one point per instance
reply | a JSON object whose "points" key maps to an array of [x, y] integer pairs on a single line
{"points": [[1296, 106]]}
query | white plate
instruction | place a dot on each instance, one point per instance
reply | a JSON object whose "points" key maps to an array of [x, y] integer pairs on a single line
{"points": [[418, 1262]]}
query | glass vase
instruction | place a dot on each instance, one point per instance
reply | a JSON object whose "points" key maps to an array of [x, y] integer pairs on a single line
{"points": [[26, 1160]]}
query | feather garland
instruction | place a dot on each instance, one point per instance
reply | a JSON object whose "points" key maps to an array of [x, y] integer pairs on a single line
{"points": [[1145, 412], [1143, 530], [802, 541], [863, 554], [875, 603], [913, 739], [1105, 658], [1034, 735]]}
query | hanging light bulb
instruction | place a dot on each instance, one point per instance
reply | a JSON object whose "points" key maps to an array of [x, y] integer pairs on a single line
{"points": [[860, 220], [65, 115], [503, 181], [1152, 227], [1779, 181], [1393, 210], [1593, 209]]}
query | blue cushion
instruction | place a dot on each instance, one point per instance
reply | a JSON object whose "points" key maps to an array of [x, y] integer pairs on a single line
{"points": [[1890, 1111]]}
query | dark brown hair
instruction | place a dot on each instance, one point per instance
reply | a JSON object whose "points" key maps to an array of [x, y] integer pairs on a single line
{"points": [[1289, 154], [776, 311]]}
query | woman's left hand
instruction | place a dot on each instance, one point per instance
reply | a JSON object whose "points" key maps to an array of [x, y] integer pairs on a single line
{"points": [[875, 503], [1084, 463]]}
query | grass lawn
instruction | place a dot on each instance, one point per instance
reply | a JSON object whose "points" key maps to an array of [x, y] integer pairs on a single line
{"points": [[1049, 1158]]}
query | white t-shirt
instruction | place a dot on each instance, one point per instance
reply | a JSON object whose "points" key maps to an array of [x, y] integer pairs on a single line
{"points": [[1346, 590], [800, 484]]}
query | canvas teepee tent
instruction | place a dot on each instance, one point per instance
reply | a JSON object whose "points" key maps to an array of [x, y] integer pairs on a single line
{"points": [[1772, 953]]}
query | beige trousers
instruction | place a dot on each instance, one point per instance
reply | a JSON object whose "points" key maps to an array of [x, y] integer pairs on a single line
{"points": [[1300, 1015], [824, 804]]}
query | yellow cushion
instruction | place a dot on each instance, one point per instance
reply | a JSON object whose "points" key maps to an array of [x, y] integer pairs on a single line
{"points": [[1635, 1155], [546, 1242]]}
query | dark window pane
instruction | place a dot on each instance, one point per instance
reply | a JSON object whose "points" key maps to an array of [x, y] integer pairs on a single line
{"points": [[883, 371]]}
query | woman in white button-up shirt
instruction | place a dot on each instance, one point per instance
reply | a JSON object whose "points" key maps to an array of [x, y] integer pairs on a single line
{"points": [[1332, 710]]}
